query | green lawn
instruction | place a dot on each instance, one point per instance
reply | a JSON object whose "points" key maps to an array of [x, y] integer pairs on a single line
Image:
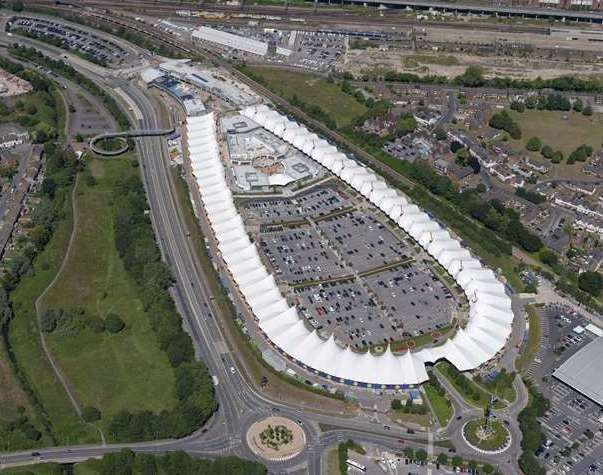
{"points": [[109, 371], [23, 335], [312, 90], [529, 352], [440, 405], [560, 134]]}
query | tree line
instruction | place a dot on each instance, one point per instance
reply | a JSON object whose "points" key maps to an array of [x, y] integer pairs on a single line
{"points": [[128, 462], [474, 77], [136, 245]]}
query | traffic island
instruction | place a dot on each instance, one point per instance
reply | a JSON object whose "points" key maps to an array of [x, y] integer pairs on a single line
{"points": [[276, 438], [487, 436]]}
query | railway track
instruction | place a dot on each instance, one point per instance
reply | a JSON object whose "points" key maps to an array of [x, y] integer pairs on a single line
{"points": [[324, 15]]}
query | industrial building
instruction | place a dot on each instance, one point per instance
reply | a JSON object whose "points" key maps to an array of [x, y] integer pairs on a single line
{"points": [[490, 316], [581, 371], [240, 43]]}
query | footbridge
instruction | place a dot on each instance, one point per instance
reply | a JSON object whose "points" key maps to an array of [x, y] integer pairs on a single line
{"points": [[123, 136]]}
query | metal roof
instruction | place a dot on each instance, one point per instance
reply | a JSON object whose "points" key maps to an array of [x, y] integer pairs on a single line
{"points": [[582, 371]]}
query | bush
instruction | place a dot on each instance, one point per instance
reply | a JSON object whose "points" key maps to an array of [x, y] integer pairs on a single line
{"points": [[588, 111], [91, 414], [534, 144], [547, 152], [396, 404], [31, 433], [96, 324], [591, 282], [114, 324], [48, 321]]}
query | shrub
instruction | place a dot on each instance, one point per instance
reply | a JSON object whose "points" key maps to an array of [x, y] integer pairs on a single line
{"points": [[48, 321], [534, 144], [91, 414], [96, 324], [113, 323], [547, 152]]}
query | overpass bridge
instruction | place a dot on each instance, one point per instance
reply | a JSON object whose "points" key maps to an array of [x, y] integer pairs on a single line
{"points": [[124, 136]]}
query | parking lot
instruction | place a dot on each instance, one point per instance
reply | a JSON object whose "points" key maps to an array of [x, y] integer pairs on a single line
{"points": [[317, 202], [299, 255], [363, 242], [414, 299], [574, 424], [346, 310], [69, 37]]}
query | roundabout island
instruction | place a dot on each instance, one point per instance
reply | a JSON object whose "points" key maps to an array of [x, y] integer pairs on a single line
{"points": [[276, 438], [487, 436]]}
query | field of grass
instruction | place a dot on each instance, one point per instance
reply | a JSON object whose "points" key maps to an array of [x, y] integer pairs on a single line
{"points": [[312, 90], [527, 355], [439, 404], [560, 134], [109, 371], [25, 341]]}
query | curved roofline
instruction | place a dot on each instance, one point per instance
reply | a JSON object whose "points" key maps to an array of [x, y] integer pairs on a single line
{"points": [[491, 317]]}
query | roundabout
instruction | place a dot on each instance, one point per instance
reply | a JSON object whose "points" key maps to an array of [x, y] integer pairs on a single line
{"points": [[487, 437], [276, 438]]}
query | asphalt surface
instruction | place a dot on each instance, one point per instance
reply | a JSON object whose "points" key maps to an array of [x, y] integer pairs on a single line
{"points": [[239, 404]]}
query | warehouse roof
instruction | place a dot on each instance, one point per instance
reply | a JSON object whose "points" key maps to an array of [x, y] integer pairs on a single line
{"points": [[582, 371]]}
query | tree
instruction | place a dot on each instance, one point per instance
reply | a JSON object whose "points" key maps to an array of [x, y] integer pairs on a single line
{"points": [[396, 404], [421, 455], [534, 144], [457, 461], [113, 323], [548, 257], [17, 6], [440, 134], [547, 152], [442, 459], [591, 282], [557, 157], [588, 111], [91, 414], [409, 453], [518, 106], [578, 106], [48, 321]]}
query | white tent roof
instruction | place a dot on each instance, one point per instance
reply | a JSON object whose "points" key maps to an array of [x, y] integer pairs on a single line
{"points": [[490, 314]]}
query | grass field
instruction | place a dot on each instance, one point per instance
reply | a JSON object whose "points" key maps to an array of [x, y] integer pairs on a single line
{"points": [[439, 404], [23, 334], [109, 371], [527, 356], [560, 134], [313, 90]]}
